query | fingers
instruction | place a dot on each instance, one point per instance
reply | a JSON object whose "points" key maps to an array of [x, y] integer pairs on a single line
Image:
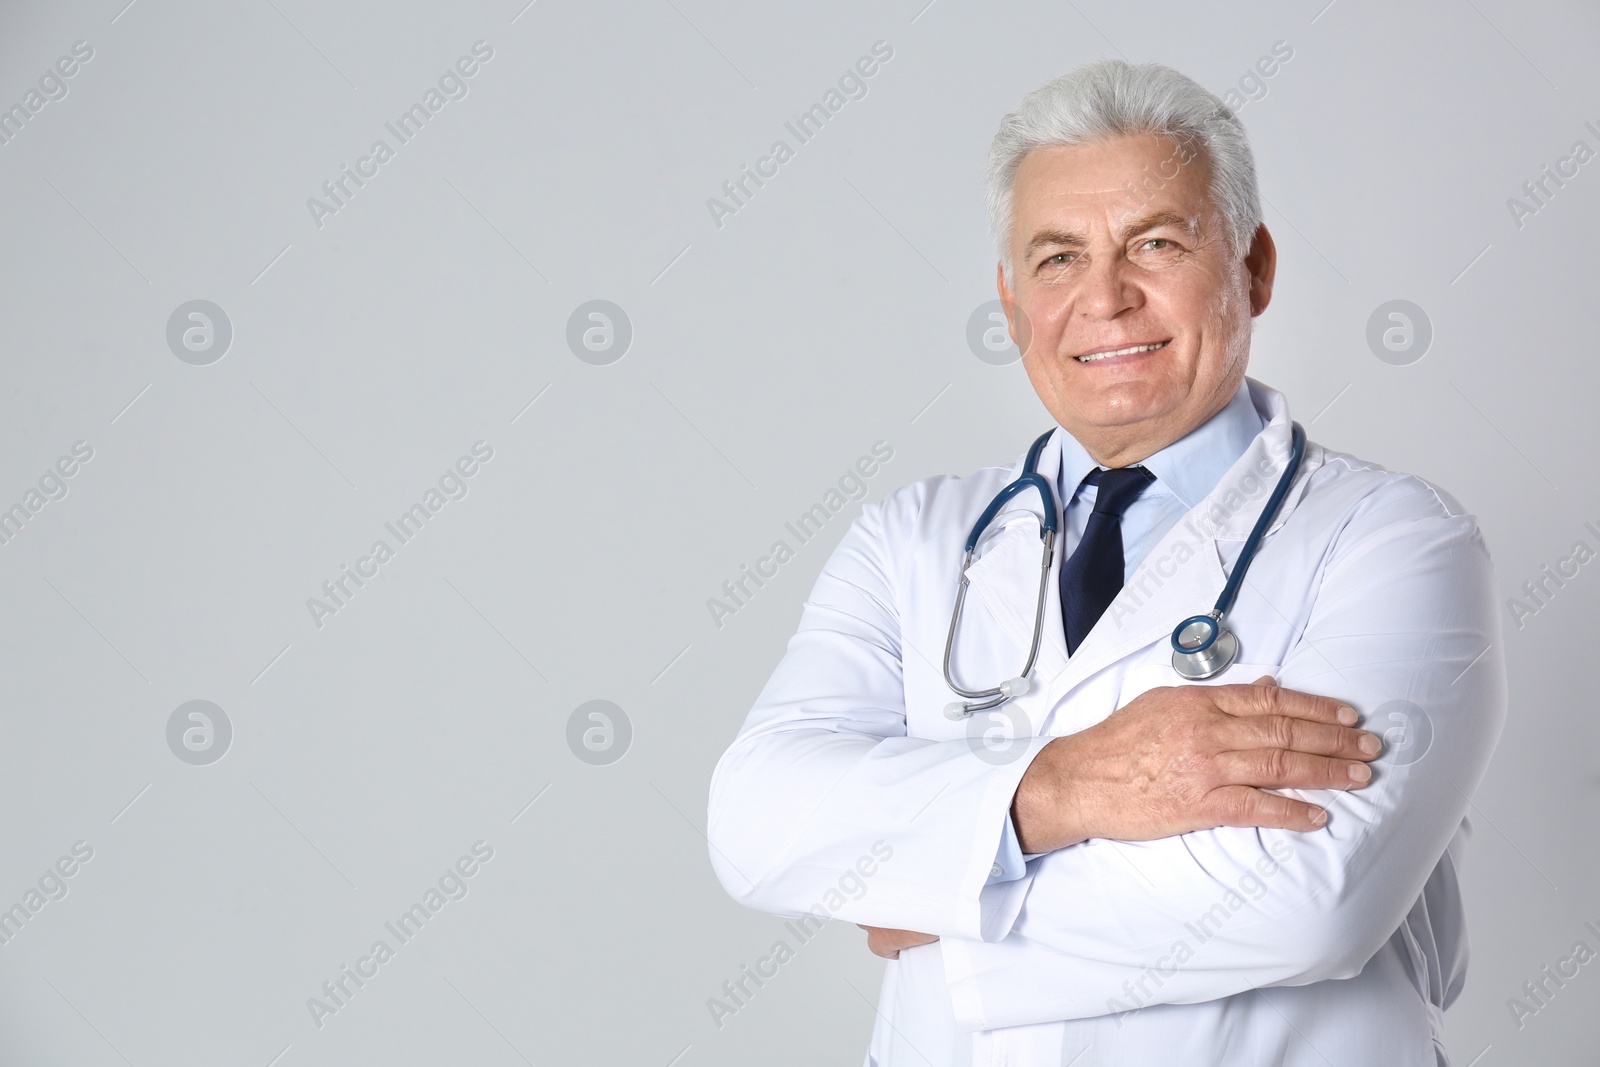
{"points": [[1265, 679], [1298, 735], [1239, 805], [883, 944], [887, 943], [1259, 698], [1276, 768], [879, 942], [913, 938]]}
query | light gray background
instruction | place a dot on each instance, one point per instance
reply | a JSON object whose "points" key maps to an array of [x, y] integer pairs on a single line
{"points": [[829, 313]]}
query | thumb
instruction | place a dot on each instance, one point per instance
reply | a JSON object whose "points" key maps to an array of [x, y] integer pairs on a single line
{"points": [[1265, 679]]}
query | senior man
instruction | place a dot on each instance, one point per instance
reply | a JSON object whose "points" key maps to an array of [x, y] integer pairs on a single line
{"points": [[1149, 870]]}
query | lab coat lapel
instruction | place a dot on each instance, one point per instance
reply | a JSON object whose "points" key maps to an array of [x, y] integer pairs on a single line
{"points": [[1183, 574], [1181, 577]]}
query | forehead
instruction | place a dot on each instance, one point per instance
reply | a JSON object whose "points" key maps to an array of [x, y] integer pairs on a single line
{"points": [[1140, 172]]}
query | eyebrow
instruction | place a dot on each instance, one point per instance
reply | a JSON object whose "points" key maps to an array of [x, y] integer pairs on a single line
{"points": [[1132, 228]]}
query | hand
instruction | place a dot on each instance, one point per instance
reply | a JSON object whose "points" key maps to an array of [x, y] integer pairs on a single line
{"points": [[888, 943], [1192, 757]]}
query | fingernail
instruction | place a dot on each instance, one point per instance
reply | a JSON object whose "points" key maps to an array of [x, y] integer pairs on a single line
{"points": [[1369, 744], [1360, 772], [1319, 816], [1347, 715]]}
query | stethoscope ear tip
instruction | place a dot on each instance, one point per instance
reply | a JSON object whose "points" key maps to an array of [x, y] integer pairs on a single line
{"points": [[955, 711]]}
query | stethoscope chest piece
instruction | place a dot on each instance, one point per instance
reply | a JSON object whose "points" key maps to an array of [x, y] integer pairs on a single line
{"points": [[1203, 647]]}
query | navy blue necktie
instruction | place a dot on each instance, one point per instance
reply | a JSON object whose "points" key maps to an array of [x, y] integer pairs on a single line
{"points": [[1092, 576]]}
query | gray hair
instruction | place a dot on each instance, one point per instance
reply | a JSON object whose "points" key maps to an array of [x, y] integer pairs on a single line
{"points": [[1112, 98]]}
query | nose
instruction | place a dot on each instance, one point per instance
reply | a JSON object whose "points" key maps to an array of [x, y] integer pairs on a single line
{"points": [[1106, 288]]}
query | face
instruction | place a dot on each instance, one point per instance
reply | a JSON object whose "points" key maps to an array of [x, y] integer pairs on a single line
{"points": [[1131, 310]]}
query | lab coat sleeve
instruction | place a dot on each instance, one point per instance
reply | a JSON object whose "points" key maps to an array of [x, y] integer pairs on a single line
{"points": [[824, 805], [1010, 862], [1404, 627]]}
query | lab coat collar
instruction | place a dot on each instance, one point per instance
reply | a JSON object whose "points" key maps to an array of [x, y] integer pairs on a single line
{"points": [[1223, 510], [1181, 576]]}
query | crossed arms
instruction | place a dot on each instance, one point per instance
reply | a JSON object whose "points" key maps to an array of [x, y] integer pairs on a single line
{"points": [[1149, 819]]}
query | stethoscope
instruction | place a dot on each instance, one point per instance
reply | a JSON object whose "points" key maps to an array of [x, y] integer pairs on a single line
{"points": [[1201, 645]]}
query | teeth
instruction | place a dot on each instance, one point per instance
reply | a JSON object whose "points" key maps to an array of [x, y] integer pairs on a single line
{"points": [[1121, 352]]}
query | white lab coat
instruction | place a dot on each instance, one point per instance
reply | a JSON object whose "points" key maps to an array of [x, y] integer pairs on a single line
{"points": [[1238, 946]]}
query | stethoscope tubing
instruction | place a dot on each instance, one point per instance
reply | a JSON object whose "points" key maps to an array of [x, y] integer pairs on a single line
{"points": [[1252, 544], [984, 699], [1247, 555], [1203, 663]]}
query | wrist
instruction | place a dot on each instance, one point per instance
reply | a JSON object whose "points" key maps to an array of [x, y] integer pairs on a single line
{"points": [[1045, 810]]}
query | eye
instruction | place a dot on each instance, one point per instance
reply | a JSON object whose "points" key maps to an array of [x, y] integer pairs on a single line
{"points": [[1059, 259], [1166, 243]]}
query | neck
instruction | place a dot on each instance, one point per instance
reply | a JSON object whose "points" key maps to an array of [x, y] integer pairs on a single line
{"points": [[1123, 446], [1112, 449], [1113, 456]]}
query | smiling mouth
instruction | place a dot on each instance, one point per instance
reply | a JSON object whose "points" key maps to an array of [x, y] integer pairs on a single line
{"points": [[1127, 350]]}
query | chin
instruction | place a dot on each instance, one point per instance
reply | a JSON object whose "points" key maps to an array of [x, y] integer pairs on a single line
{"points": [[1125, 404]]}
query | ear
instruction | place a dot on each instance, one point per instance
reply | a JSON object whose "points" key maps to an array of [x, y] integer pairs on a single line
{"points": [[1261, 262], [1020, 337]]}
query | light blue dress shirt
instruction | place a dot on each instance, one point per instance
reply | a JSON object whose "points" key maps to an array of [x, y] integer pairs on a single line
{"points": [[1186, 471]]}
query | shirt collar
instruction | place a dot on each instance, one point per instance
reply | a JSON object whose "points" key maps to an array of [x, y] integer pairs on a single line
{"points": [[1190, 467]]}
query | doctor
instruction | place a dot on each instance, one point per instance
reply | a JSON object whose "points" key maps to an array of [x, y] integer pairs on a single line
{"points": [[1119, 866]]}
